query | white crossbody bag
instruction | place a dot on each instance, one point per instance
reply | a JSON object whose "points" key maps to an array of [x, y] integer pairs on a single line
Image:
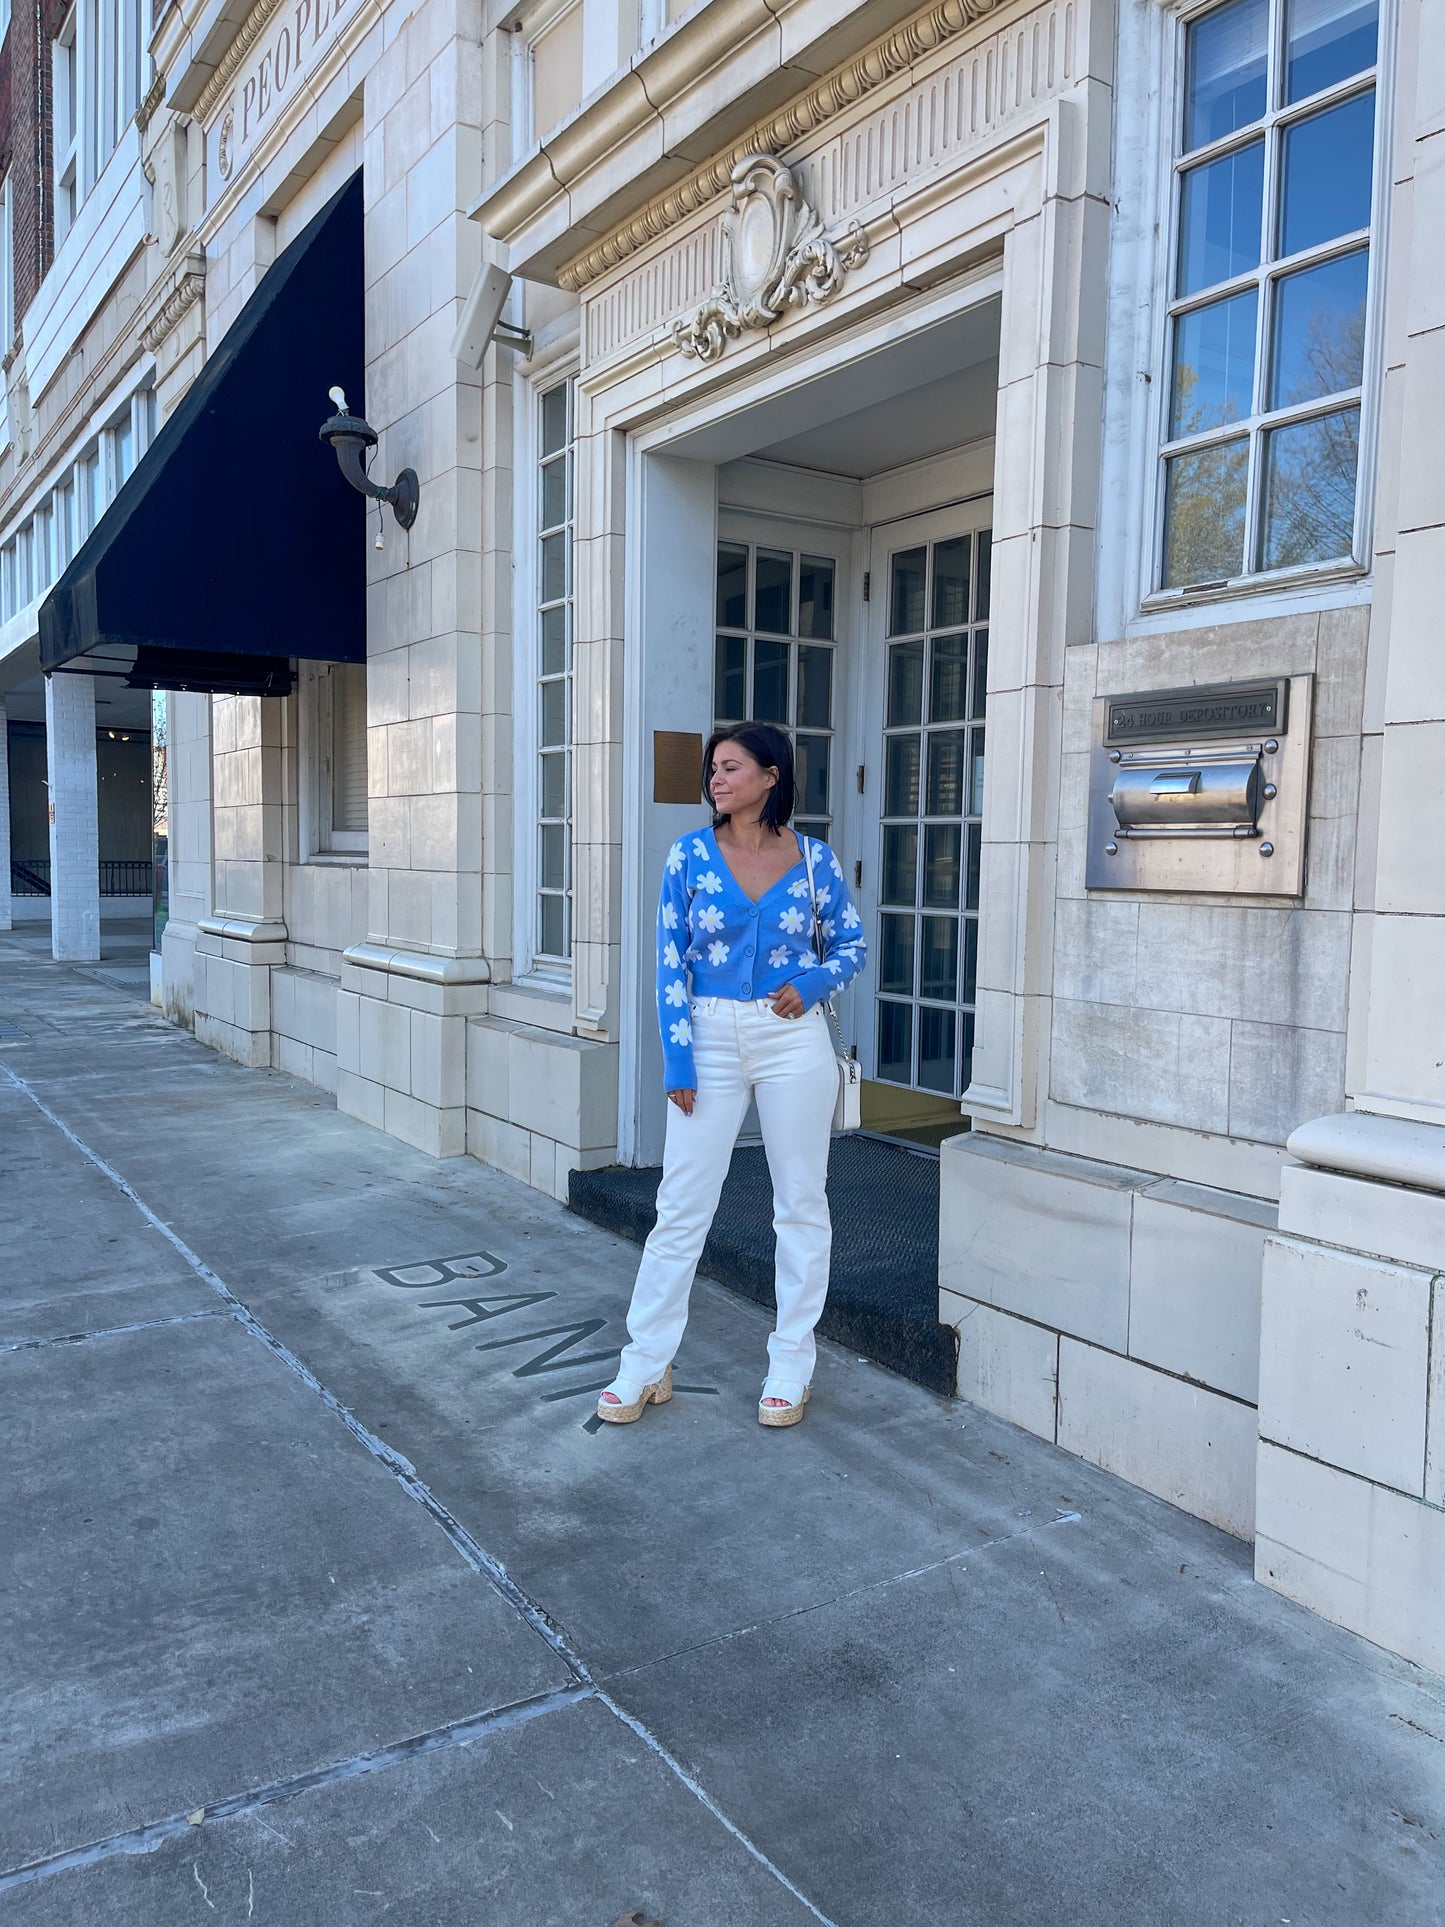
{"points": [[848, 1110]]}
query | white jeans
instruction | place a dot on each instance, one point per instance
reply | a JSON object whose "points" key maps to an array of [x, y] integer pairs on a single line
{"points": [[787, 1064]]}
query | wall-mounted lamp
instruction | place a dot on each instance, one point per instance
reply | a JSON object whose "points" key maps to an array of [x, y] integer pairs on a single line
{"points": [[351, 437]]}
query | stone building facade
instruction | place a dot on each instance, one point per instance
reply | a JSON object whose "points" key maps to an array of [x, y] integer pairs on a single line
{"points": [[1027, 405]]}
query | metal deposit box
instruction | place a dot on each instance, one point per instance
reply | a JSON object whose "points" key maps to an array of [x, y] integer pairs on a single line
{"points": [[1201, 789]]}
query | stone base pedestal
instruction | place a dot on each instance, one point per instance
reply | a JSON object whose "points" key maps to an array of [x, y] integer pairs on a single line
{"points": [[401, 1019], [234, 958], [541, 1103], [1351, 1513], [1110, 1310]]}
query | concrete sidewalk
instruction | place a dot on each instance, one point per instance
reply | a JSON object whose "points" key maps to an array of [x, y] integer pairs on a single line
{"points": [[323, 1601]]}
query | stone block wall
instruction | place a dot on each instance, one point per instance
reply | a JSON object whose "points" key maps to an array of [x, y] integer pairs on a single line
{"points": [[1112, 1311]]}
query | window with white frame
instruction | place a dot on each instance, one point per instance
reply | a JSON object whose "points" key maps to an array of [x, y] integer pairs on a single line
{"points": [[1269, 280], [333, 750], [96, 70], [46, 540], [552, 670]]}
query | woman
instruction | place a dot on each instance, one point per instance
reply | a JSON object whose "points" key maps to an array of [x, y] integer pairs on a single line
{"points": [[735, 919]]}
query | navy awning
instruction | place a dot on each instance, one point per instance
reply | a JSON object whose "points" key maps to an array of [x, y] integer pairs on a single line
{"points": [[237, 545]]}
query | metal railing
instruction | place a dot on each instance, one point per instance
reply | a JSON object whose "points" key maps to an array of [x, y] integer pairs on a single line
{"points": [[119, 877]]}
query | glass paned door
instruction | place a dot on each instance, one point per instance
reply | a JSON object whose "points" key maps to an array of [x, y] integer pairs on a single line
{"points": [[930, 800], [775, 657]]}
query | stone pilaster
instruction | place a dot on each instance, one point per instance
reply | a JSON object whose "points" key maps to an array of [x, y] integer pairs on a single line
{"points": [[74, 822], [244, 937], [407, 992], [1351, 1488]]}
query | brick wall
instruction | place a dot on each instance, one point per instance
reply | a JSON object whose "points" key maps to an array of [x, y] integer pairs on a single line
{"points": [[25, 138]]}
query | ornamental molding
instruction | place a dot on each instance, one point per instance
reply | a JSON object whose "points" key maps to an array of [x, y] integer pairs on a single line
{"points": [[155, 94], [249, 32], [776, 255], [888, 57], [181, 299]]}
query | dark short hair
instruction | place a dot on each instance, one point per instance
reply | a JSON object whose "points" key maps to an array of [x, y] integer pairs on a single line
{"points": [[770, 749]]}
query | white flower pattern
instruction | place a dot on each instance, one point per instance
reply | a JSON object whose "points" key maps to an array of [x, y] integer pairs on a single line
{"points": [[723, 943]]}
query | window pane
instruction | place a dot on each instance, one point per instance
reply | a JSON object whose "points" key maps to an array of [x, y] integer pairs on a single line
{"points": [[554, 640], [938, 959], [1213, 365], [895, 963], [980, 672], [773, 592], [942, 861], [732, 585], [950, 581], [554, 713], [730, 679], [812, 826], [1319, 330], [905, 595], [900, 864], [970, 959], [895, 1042], [975, 772], [967, 1071], [1309, 490], [974, 843], [937, 1030], [553, 938], [554, 493], [1219, 219], [1204, 515], [770, 680], [554, 566], [983, 576], [1325, 174], [815, 597], [815, 688], [810, 761], [554, 420], [945, 773], [900, 776], [1225, 71], [554, 856], [1326, 41], [905, 683], [554, 785], [948, 682]]}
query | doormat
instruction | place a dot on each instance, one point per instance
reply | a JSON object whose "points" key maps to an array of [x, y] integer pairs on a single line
{"points": [[883, 1292]]}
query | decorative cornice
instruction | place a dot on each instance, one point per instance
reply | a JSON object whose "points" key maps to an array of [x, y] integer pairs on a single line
{"points": [[155, 94], [182, 297], [249, 32], [894, 54]]}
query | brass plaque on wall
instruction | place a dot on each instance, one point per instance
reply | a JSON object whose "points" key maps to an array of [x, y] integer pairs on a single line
{"points": [[676, 766]]}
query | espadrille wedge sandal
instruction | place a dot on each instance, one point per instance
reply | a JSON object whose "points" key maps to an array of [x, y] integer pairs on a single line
{"points": [[788, 1414], [632, 1401]]}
